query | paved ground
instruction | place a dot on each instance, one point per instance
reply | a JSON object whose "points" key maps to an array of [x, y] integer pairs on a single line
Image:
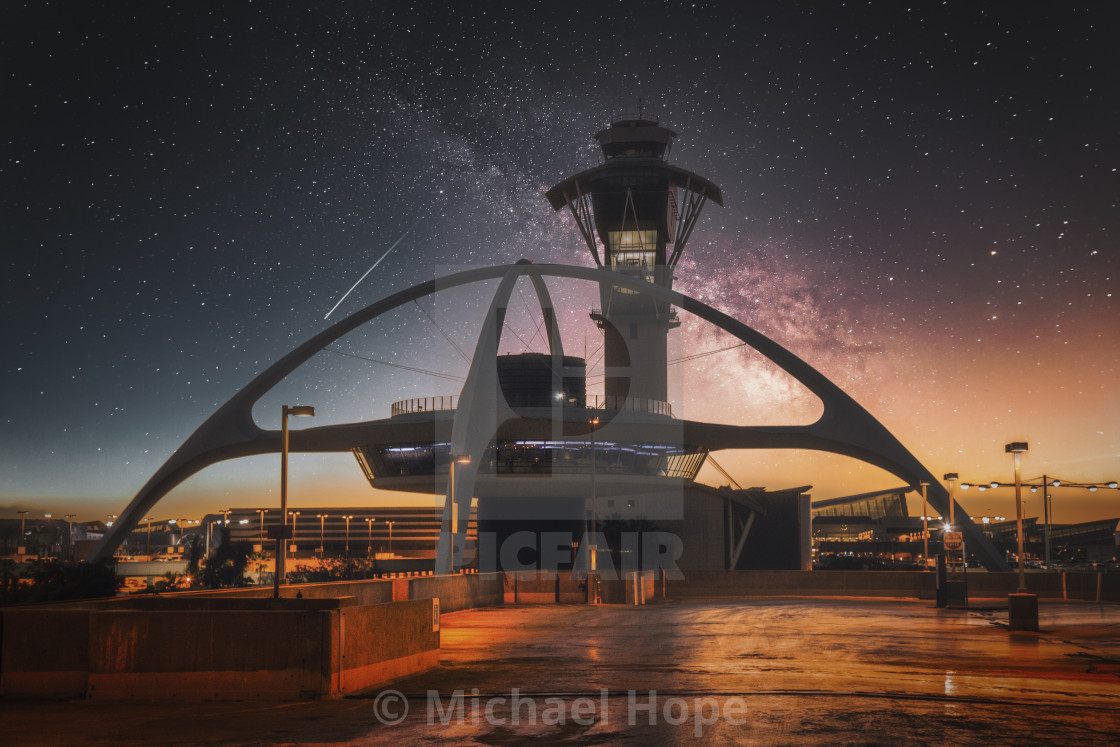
{"points": [[765, 671]]}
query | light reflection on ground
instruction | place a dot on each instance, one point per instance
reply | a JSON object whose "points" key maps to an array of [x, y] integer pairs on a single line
{"points": [[805, 671]]}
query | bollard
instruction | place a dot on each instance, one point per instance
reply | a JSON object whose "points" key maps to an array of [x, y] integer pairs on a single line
{"points": [[1022, 612]]}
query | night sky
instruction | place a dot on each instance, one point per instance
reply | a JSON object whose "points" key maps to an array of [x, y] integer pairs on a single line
{"points": [[921, 202]]}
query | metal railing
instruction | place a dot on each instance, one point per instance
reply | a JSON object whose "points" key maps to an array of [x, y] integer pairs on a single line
{"points": [[424, 404], [635, 117], [629, 404], [608, 403]]}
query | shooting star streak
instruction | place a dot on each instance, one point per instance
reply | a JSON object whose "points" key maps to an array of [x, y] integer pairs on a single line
{"points": [[375, 264]]}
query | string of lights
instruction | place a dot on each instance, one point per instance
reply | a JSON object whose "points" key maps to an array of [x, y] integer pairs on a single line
{"points": [[1045, 482], [1039, 482]]}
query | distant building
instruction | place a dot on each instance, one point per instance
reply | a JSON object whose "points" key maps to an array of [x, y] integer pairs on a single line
{"points": [[404, 531]]}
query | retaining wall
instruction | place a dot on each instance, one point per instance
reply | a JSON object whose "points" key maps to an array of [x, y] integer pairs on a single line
{"points": [[215, 651], [902, 584], [333, 639]]}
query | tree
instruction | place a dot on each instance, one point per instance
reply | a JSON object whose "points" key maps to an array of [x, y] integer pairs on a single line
{"points": [[168, 582], [58, 580], [195, 551], [338, 569], [226, 564]]}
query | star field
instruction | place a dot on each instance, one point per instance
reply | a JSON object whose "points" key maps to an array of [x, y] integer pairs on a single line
{"points": [[920, 201]]}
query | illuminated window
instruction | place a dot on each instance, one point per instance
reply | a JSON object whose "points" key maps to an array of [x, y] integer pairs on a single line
{"points": [[632, 248], [633, 252]]}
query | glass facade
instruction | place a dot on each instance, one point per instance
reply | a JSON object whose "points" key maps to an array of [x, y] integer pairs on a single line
{"points": [[880, 507], [522, 457], [633, 252]]}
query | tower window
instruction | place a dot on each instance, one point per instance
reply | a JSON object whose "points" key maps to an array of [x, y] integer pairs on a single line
{"points": [[632, 249]]}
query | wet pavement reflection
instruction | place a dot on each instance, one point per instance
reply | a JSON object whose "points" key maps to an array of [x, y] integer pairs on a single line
{"points": [[757, 671]]}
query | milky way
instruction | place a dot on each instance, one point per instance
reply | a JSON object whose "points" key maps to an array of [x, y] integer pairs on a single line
{"points": [[920, 201]]}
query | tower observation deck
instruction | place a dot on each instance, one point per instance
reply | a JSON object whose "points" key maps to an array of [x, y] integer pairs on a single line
{"points": [[636, 212]]}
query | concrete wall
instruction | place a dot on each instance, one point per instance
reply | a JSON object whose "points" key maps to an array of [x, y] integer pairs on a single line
{"points": [[460, 591], [544, 587], [905, 584], [384, 642], [45, 653], [306, 650], [455, 592], [234, 643], [209, 655]]}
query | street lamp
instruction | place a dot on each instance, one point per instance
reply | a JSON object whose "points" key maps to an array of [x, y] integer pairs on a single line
{"points": [[593, 545], [951, 478], [348, 518], [1022, 608], [369, 541], [390, 538], [282, 531], [21, 549], [148, 539], [70, 536], [294, 547], [1015, 449], [322, 522], [262, 512], [461, 459], [925, 527]]}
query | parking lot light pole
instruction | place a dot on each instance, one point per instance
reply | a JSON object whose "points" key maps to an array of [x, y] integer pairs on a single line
{"points": [[1022, 608], [70, 536], [282, 530], [925, 527], [322, 525], [1015, 449]]}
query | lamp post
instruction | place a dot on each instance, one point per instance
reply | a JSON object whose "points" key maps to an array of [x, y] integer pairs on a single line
{"points": [[322, 523], [1015, 449], [148, 539], [1046, 520], [461, 459], [925, 527], [70, 536], [21, 548], [282, 531], [593, 546], [1022, 608], [951, 478], [348, 518], [294, 546], [50, 547], [225, 512], [390, 538], [369, 540], [262, 512]]}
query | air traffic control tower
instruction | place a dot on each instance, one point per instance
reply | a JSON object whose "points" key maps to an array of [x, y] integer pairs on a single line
{"points": [[643, 210]]}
